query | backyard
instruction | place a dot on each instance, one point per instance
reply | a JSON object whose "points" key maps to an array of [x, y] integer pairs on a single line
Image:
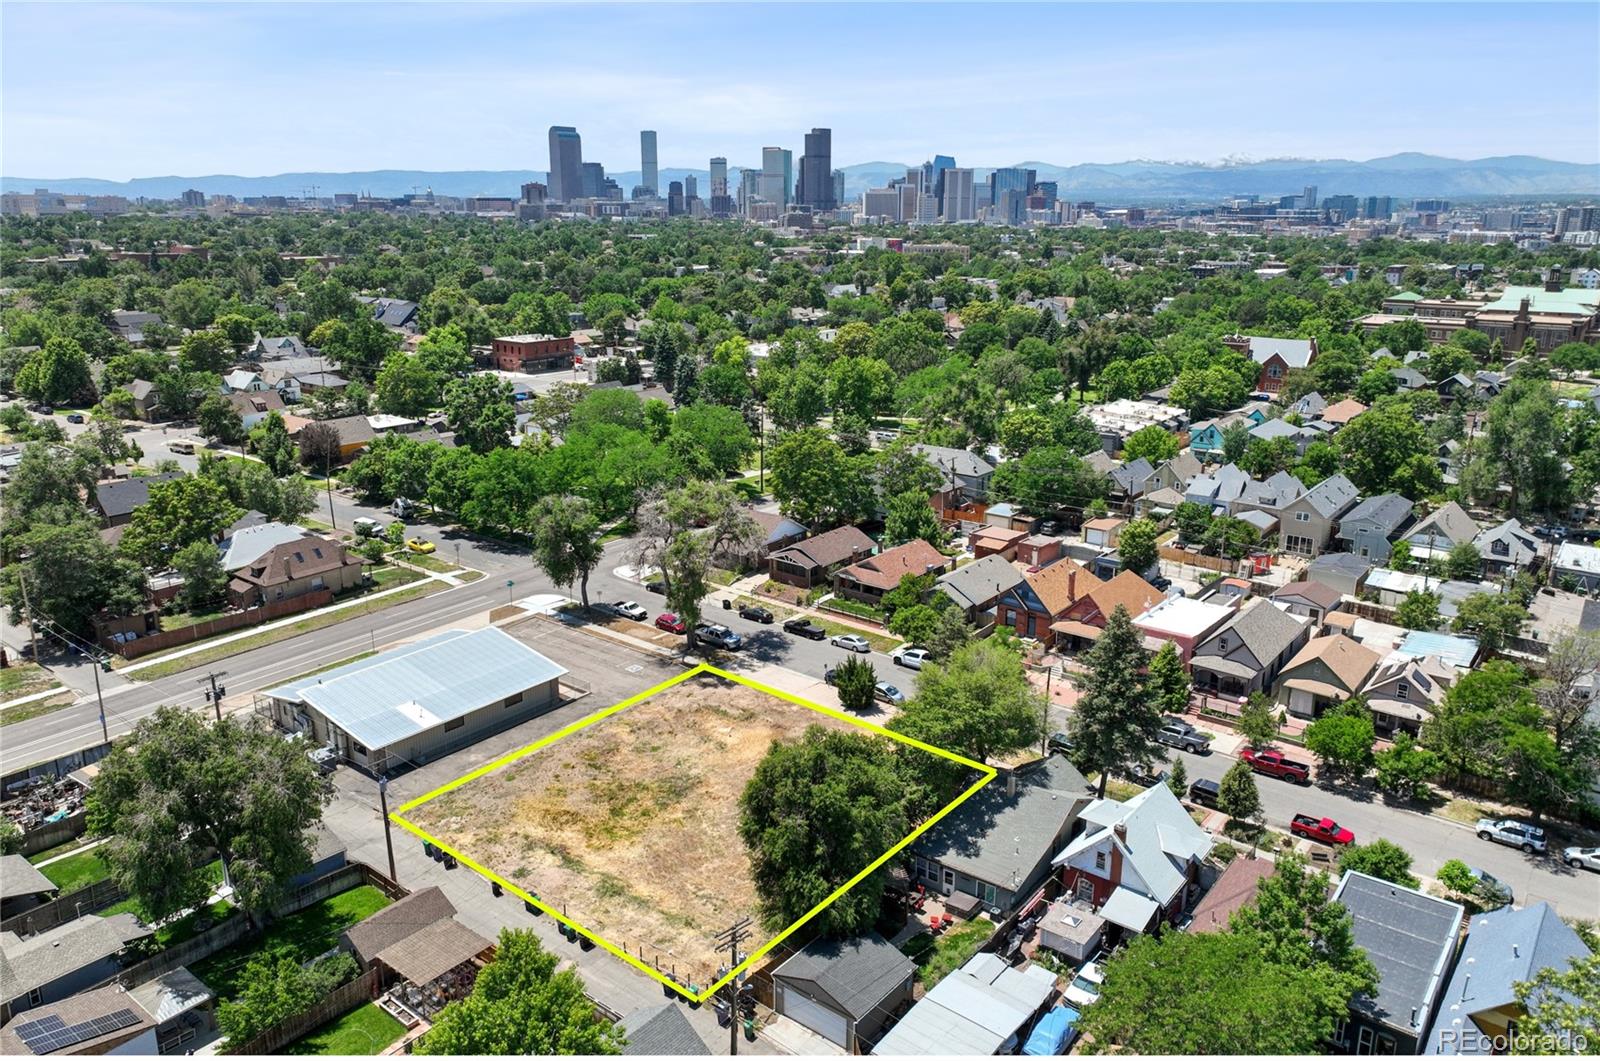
{"points": [[364, 1031], [938, 956]]}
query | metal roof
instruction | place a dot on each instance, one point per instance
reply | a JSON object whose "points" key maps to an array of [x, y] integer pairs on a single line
{"points": [[1129, 909], [249, 544], [398, 694], [973, 1011]]}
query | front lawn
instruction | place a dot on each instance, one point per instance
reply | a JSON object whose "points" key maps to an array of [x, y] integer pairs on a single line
{"points": [[302, 936], [365, 1030], [24, 679], [938, 956]]}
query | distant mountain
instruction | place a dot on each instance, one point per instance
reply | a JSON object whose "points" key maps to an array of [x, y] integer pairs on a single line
{"points": [[1408, 174]]}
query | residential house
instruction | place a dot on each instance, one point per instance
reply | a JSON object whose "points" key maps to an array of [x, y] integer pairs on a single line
{"points": [[1577, 564], [995, 541], [1137, 862], [1183, 621], [1309, 599], [1277, 357], [1411, 938], [1371, 526], [294, 569], [354, 432], [661, 1031], [244, 545], [1235, 888], [868, 580], [1103, 533], [171, 1013], [1175, 474], [1269, 497], [129, 325], [1344, 572], [1128, 479], [1246, 654], [22, 887], [1116, 420], [1503, 948], [778, 532], [844, 990], [1391, 588], [242, 379], [1086, 618], [1043, 597], [275, 348], [1339, 414], [1402, 696], [145, 401], [964, 475], [1441, 530], [1100, 461], [117, 499], [1297, 435], [1205, 439], [975, 587], [395, 313], [1159, 503], [62, 961], [1038, 550], [310, 382], [1307, 522], [1409, 378], [1326, 672], [1308, 406], [255, 406], [1506, 547], [997, 846], [981, 1009], [814, 560], [1219, 489]]}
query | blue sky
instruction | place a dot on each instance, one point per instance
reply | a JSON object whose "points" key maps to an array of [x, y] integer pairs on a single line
{"points": [[126, 90]]}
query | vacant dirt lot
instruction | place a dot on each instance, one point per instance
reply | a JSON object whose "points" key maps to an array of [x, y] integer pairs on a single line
{"points": [[631, 825]]}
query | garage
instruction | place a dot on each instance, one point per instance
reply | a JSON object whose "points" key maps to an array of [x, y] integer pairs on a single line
{"points": [[845, 991], [793, 1003]]}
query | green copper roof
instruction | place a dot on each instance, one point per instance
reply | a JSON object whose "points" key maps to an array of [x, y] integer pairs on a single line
{"points": [[1568, 300], [1404, 296]]}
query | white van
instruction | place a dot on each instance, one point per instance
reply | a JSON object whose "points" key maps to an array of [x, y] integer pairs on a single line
{"points": [[367, 527]]}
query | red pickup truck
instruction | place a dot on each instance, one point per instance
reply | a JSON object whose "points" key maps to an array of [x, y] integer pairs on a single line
{"points": [[1273, 763], [1324, 829]]}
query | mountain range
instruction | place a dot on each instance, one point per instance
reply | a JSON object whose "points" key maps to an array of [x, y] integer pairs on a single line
{"points": [[1407, 174]]}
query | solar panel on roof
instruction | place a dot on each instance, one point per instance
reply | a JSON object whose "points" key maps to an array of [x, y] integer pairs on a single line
{"points": [[49, 1034]]}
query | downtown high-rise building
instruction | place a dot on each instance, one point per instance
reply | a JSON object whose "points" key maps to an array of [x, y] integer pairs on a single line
{"points": [[776, 164], [691, 187], [958, 202], [647, 162], [1308, 198], [749, 188], [593, 179], [721, 204], [814, 186], [566, 163]]}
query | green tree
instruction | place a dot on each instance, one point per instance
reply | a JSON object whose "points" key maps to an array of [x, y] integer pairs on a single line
{"points": [[270, 441], [276, 987], [1382, 858], [521, 1005], [1137, 545], [718, 432], [1296, 922], [1168, 682], [184, 790], [815, 481], [910, 517], [179, 512], [1457, 876], [856, 682], [566, 541], [1154, 443], [192, 304], [481, 412], [204, 580], [218, 419], [1419, 610], [1178, 779], [977, 703], [1463, 561], [56, 374], [1405, 768], [206, 351], [405, 386], [1491, 618], [445, 351], [681, 530], [237, 329], [1342, 742], [816, 812], [1023, 430], [1561, 1007], [71, 574], [1237, 795], [1378, 446], [1115, 723]]}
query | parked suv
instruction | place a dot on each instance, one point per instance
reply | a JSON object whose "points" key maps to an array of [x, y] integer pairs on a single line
{"points": [[1206, 793], [805, 628], [1512, 833]]}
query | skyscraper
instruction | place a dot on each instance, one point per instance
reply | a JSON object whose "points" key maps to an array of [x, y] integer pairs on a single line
{"points": [[958, 204], [749, 188], [675, 198], [647, 161], [566, 163], [593, 179], [1308, 199], [838, 188], [719, 177], [691, 187], [815, 185], [775, 175]]}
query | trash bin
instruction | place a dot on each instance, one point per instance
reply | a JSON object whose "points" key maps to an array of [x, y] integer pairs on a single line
{"points": [[727, 604]]}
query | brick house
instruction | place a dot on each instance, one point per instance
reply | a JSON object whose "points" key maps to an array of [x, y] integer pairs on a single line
{"points": [[1044, 596], [869, 579], [1275, 356], [1086, 618], [293, 569], [814, 560], [532, 353]]}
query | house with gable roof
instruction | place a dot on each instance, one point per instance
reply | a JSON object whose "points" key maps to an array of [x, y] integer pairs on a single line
{"points": [[1246, 654], [1306, 524], [1042, 597], [1326, 672], [1441, 530], [1277, 357], [1086, 618], [1369, 529]]}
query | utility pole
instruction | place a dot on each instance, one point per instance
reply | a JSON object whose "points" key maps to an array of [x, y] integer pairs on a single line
{"points": [[327, 477], [215, 694], [94, 667], [729, 940], [388, 840], [33, 632]]}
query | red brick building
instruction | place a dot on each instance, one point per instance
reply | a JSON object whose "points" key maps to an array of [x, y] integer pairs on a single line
{"points": [[533, 353]]}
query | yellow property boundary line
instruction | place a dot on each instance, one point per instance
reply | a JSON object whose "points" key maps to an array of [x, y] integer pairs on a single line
{"points": [[987, 774]]}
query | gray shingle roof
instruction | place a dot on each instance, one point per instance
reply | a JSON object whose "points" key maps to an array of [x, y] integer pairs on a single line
{"points": [[123, 496], [19, 877], [1296, 353], [1275, 492], [45, 958], [828, 548], [1386, 512], [993, 835], [979, 582], [1332, 496], [1450, 521], [1410, 937], [957, 460], [397, 921], [662, 1031], [1265, 629], [856, 974], [1131, 475]]}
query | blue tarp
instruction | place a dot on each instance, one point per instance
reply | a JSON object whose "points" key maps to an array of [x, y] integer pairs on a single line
{"points": [[1053, 1032]]}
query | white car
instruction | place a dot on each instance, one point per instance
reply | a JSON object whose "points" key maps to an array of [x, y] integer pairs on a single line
{"points": [[1512, 833], [910, 657], [850, 642], [1085, 987], [633, 610], [1582, 858]]}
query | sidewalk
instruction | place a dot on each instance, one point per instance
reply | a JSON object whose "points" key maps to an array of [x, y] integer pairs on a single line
{"points": [[747, 587]]}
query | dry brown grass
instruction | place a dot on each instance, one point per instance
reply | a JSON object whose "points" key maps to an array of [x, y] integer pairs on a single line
{"points": [[630, 825]]}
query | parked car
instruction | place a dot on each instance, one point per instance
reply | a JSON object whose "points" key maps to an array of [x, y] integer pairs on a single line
{"points": [[719, 635], [1582, 858], [632, 610], [755, 613], [1162, 583], [366, 527], [1085, 987], [670, 622], [805, 628], [74, 418], [910, 657], [420, 545], [1512, 833], [1273, 763], [1146, 776], [888, 693], [1049, 528], [1059, 742], [1490, 885], [1206, 793], [1325, 830], [1186, 737], [850, 642], [655, 585]]}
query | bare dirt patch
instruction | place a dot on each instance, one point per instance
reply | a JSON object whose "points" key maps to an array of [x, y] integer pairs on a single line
{"points": [[630, 825]]}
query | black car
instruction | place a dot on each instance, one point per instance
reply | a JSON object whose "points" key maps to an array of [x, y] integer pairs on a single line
{"points": [[656, 586], [755, 613], [805, 628], [1162, 583], [1205, 793], [1059, 742]]}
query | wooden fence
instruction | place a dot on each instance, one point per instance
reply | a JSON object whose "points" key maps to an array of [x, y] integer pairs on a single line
{"points": [[59, 767], [1221, 565], [340, 1000], [149, 643], [54, 834], [64, 908]]}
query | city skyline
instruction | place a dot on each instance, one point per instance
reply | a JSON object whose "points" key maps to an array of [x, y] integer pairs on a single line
{"points": [[716, 87]]}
